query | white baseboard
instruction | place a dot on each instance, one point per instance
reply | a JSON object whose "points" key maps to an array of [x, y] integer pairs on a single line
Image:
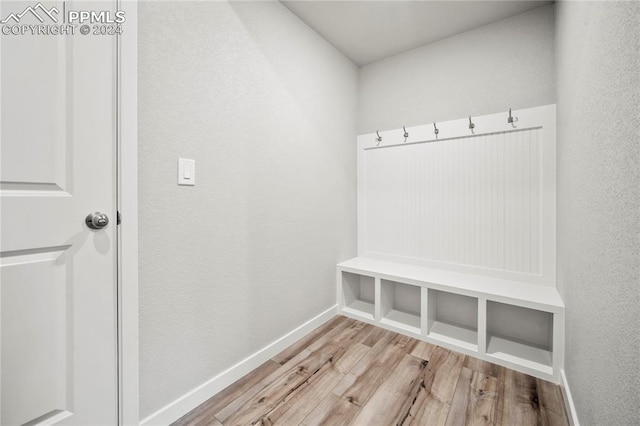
{"points": [[197, 396], [568, 400]]}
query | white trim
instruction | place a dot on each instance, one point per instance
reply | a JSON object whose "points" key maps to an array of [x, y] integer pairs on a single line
{"points": [[568, 400], [128, 371], [55, 419], [197, 396], [558, 340]]}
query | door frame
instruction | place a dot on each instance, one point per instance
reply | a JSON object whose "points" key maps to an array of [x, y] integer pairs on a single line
{"points": [[127, 199]]}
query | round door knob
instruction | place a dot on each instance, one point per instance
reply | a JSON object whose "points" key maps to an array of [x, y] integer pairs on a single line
{"points": [[97, 220]]}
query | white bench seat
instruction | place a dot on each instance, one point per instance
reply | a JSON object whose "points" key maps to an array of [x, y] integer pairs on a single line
{"points": [[522, 294]]}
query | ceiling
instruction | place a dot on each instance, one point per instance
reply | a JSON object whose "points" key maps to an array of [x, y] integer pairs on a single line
{"points": [[366, 31]]}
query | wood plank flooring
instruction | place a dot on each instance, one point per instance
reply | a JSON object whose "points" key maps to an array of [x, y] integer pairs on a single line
{"points": [[350, 373]]}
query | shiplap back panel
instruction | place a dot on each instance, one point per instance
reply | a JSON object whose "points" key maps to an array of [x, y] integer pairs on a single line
{"points": [[473, 203]]}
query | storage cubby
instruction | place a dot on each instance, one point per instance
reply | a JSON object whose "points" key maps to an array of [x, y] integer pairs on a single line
{"points": [[453, 318], [520, 335], [358, 292], [509, 323], [400, 305]]}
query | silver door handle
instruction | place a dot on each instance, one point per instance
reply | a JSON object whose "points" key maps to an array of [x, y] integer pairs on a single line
{"points": [[97, 220]]}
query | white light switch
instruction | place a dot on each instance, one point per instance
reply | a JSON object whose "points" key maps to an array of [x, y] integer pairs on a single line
{"points": [[186, 171]]}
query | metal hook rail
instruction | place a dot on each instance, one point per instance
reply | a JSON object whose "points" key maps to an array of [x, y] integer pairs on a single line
{"points": [[511, 119]]}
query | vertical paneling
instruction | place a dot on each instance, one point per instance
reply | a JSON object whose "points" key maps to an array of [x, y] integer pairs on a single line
{"points": [[471, 201]]}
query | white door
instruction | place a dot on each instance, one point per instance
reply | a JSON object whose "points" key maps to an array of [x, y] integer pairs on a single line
{"points": [[58, 310]]}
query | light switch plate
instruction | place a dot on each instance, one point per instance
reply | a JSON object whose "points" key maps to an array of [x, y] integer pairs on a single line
{"points": [[186, 171]]}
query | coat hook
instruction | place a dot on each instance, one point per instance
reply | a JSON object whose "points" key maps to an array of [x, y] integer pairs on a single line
{"points": [[471, 124], [406, 135], [435, 130], [511, 119], [379, 138]]}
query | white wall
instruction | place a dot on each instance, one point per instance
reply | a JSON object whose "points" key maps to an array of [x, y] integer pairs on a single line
{"points": [[267, 109], [508, 64], [598, 79]]}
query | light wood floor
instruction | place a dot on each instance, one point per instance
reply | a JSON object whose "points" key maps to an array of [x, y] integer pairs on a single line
{"points": [[348, 372]]}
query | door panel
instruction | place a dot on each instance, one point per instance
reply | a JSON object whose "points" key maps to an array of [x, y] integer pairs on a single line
{"points": [[58, 311], [34, 297], [34, 110]]}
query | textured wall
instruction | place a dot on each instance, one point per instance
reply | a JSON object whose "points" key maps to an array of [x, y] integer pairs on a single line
{"points": [[598, 79], [508, 64], [268, 111]]}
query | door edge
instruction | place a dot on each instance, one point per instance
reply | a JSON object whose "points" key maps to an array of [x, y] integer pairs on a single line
{"points": [[127, 201]]}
